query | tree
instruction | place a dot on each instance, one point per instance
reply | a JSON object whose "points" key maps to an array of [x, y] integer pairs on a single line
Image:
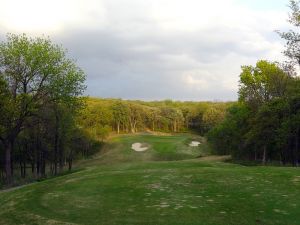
{"points": [[120, 114], [174, 118], [266, 123], [135, 116], [262, 83], [228, 136], [37, 72], [153, 116], [213, 116]]}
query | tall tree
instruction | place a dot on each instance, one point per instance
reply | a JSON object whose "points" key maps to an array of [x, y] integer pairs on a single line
{"points": [[120, 112], [135, 116]]}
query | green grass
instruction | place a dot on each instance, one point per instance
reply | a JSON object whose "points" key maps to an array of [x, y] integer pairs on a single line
{"points": [[167, 184]]}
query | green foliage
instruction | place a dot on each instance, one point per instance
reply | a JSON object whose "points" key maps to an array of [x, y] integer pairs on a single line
{"points": [[262, 83], [103, 132], [226, 136], [124, 116], [213, 115]]}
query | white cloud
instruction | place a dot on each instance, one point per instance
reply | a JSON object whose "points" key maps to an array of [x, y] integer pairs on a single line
{"points": [[49, 16]]}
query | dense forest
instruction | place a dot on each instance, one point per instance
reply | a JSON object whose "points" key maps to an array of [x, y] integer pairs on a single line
{"points": [[100, 117], [265, 123]]}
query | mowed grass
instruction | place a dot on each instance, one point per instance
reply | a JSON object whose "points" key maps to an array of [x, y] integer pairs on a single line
{"points": [[161, 148], [168, 184]]}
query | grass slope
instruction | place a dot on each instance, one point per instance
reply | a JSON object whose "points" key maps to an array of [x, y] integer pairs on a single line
{"points": [[121, 186]]}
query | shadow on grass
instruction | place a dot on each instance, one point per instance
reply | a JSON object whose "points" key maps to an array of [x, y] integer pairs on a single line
{"points": [[21, 183], [258, 163]]}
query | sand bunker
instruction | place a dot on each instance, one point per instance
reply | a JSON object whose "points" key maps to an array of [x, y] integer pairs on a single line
{"points": [[195, 144], [139, 147]]}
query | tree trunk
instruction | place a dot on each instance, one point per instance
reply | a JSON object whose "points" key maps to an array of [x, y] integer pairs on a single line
{"points": [[118, 127], [43, 163], [264, 155], [22, 169], [70, 164], [175, 126], [52, 168], [187, 124], [296, 149], [61, 155], [32, 167], [55, 157], [8, 170], [24, 165], [56, 144], [132, 126]]}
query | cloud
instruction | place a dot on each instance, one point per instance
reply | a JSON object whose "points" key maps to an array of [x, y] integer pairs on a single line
{"points": [[158, 49]]}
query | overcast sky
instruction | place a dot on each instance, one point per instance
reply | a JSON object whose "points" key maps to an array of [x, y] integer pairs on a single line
{"points": [[156, 49]]}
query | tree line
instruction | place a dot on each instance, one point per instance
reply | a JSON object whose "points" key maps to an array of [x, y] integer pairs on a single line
{"points": [[101, 117], [265, 123]]}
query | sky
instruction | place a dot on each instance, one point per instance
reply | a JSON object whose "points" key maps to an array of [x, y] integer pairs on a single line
{"points": [[156, 49]]}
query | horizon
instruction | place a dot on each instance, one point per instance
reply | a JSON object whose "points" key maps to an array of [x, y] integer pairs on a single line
{"points": [[161, 100]]}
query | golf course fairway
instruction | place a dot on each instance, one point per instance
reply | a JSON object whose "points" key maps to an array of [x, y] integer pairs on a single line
{"points": [[170, 183]]}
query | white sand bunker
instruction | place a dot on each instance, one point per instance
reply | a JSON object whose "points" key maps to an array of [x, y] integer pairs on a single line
{"points": [[139, 147], [195, 144]]}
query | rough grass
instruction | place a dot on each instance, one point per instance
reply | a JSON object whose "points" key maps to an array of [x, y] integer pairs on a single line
{"points": [[121, 186]]}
